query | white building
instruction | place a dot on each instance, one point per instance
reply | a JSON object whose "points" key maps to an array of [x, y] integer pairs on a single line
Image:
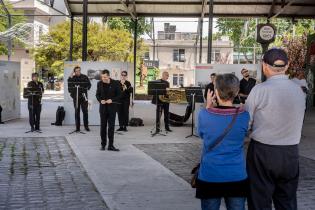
{"points": [[40, 26], [178, 54]]}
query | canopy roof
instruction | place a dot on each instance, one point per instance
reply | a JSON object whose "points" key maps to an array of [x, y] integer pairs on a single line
{"points": [[195, 8]]}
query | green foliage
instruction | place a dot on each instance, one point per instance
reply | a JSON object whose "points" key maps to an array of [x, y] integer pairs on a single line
{"points": [[243, 31], [104, 44], [4, 23], [128, 24]]}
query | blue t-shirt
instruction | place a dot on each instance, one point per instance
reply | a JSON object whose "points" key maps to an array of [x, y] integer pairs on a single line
{"points": [[226, 162]]}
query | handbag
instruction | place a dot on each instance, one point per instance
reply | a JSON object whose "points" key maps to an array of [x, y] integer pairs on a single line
{"points": [[195, 170]]}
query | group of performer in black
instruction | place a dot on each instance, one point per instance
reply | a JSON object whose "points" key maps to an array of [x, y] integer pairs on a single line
{"points": [[113, 96]]}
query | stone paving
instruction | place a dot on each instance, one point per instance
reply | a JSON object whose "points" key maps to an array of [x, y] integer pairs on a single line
{"points": [[180, 158], [44, 173]]}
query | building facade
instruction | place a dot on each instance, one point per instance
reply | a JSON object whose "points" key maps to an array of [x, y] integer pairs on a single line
{"points": [[178, 54], [40, 25]]}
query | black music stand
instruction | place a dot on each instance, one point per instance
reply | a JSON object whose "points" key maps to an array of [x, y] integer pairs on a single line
{"points": [[157, 88], [77, 87], [193, 95], [31, 92]]}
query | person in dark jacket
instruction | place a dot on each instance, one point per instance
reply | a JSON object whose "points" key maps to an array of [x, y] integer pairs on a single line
{"points": [[210, 86], [0, 115], [123, 110], [35, 102], [246, 85], [82, 83], [163, 106], [108, 94]]}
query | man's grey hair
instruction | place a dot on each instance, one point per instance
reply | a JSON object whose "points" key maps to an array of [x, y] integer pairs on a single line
{"points": [[276, 69], [227, 85]]}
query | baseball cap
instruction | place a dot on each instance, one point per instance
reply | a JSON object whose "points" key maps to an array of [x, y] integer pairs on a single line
{"points": [[274, 54]]}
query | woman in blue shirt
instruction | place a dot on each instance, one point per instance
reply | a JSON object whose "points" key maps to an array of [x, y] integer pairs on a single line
{"points": [[222, 172]]}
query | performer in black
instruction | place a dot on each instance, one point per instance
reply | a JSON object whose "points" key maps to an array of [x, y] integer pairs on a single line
{"points": [[210, 86], [123, 110], [246, 85], [0, 115], [163, 106], [108, 93], [35, 103], [81, 80]]}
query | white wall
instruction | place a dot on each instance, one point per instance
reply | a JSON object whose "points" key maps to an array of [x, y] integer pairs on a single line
{"points": [[114, 67], [10, 90]]}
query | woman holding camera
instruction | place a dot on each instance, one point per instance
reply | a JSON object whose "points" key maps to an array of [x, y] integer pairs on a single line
{"points": [[222, 172]]}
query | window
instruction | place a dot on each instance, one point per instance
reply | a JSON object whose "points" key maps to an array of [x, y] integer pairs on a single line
{"points": [[175, 79], [147, 56], [178, 79], [179, 55]]}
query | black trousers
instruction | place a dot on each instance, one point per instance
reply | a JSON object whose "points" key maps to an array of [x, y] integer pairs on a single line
{"points": [[160, 108], [34, 115], [82, 104], [273, 175], [108, 116], [123, 113], [0, 114]]}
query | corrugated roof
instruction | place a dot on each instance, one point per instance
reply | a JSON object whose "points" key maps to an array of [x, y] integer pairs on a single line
{"points": [[193, 8]]}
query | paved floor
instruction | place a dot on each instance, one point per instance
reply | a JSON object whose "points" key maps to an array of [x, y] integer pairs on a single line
{"points": [[43, 173], [133, 180]]}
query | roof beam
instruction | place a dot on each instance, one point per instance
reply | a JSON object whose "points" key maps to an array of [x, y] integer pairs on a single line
{"points": [[48, 5], [68, 7], [283, 8], [272, 8]]}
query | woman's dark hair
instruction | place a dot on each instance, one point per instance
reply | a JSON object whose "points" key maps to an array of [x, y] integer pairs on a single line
{"points": [[124, 72], [76, 67], [227, 86], [105, 71]]}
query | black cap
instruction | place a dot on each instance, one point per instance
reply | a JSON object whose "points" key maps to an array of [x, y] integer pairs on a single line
{"points": [[274, 54]]}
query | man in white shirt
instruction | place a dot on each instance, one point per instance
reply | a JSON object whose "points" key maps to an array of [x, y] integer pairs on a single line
{"points": [[276, 107]]}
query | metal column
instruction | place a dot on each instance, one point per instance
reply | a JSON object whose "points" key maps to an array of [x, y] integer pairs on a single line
{"points": [[84, 30], [135, 54], [71, 39], [200, 39], [210, 31], [10, 40]]}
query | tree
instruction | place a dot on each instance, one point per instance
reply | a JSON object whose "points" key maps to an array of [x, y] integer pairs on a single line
{"points": [[128, 24], [242, 31], [4, 24], [103, 45]]}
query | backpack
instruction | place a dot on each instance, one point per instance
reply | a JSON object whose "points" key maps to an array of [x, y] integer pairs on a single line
{"points": [[60, 116], [135, 122]]}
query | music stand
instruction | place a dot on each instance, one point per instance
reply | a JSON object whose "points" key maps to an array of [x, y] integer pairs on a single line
{"points": [[77, 87], [31, 92], [193, 95], [157, 88]]}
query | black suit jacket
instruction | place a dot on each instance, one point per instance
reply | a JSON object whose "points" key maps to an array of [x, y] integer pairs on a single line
{"points": [[111, 91]]}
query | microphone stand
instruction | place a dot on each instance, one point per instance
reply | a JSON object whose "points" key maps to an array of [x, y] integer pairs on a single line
{"points": [[158, 118], [192, 118], [76, 110]]}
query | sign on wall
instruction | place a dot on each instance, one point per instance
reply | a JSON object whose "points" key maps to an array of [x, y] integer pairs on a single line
{"points": [[10, 90], [92, 70]]}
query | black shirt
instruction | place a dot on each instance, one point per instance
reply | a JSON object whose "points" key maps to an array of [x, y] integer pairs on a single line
{"points": [[247, 86], [84, 83], [109, 90], [127, 92], [209, 86], [154, 99], [38, 97]]}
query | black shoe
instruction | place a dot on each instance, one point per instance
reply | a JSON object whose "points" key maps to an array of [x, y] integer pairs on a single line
{"points": [[168, 129], [102, 148], [120, 129], [112, 148], [87, 128], [32, 129], [1, 122], [125, 129]]}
